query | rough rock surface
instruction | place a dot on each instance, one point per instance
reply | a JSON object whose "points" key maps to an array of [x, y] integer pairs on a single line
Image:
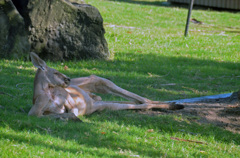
{"points": [[56, 30], [13, 37], [61, 30]]}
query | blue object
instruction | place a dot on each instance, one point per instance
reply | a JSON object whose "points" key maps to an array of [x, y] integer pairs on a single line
{"points": [[198, 99]]}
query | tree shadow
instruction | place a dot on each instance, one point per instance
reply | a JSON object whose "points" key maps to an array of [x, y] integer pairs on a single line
{"points": [[88, 134], [148, 74], [166, 122]]}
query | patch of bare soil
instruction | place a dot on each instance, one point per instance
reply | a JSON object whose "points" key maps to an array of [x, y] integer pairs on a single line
{"points": [[224, 113]]}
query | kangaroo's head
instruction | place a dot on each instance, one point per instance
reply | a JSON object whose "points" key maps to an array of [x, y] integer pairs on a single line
{"points": [[49, 75]]}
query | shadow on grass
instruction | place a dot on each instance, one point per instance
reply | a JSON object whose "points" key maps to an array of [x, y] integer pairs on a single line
{"points": [[84, 134], [151, 75], [58, 129], [87, 136], [166, 124], [161, 69], [145, 74]]}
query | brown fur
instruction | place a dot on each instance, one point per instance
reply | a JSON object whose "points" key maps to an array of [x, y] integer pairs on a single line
{"points": [[57, 96]]}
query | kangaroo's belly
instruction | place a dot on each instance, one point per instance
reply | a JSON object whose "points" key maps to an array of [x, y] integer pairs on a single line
{"points": [[68, 100], [57, 98], [78, 101]]}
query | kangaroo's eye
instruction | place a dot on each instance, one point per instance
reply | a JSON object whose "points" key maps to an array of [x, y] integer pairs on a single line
{"points": [[57, 74]]}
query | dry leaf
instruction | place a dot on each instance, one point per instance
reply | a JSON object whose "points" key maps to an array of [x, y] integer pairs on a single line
{"points": [[65, 67], [150, 130]]}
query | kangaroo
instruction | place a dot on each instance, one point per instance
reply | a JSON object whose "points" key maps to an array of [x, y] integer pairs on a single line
{"points": [[56, 95]]}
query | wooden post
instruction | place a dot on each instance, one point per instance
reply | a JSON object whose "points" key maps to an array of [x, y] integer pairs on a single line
{"points": [[189, 16]]}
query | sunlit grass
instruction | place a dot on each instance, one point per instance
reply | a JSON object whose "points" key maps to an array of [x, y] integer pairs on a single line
{"points": [[149, 56]]}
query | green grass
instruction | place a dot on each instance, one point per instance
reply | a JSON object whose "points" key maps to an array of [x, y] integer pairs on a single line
{"points": [[149, 56]]}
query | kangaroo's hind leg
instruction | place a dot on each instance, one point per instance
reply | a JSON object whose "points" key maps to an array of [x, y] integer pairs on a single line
{"points": [[103, 105], [97, 84]]}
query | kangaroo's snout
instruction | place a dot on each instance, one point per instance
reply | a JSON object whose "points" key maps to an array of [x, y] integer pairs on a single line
{"points": [[67, 80]]}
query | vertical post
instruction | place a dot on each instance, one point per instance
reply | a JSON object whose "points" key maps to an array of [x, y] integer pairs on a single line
{"points": [[189, 16]]}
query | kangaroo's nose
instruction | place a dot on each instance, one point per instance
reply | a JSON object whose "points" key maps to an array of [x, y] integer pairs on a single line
{"points": [[67, 80]]}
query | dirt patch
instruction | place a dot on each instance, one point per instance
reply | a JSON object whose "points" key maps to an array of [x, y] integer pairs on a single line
{"points": [[224, 113]]}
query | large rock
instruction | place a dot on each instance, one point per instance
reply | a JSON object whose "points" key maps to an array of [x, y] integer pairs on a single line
{"points": [[61, 30], [55, 29], [13, 37]]}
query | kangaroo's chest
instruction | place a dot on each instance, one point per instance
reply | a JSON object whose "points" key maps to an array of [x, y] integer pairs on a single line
{"points": [[77, 100], [64, 100], [57, 98]]}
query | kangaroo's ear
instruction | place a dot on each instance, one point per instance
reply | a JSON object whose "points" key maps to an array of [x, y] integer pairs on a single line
{"points": [[38, 62]]}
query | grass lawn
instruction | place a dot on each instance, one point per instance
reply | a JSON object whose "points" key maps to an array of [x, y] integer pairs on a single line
{"points": [[149, 56]]}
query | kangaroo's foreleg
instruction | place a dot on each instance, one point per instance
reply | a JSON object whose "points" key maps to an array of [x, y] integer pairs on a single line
{"points": [[39, 105]]}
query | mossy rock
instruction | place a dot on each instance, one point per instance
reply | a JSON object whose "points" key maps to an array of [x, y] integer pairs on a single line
{"points": [[13, 37], [61, 30], [56, 30]]}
